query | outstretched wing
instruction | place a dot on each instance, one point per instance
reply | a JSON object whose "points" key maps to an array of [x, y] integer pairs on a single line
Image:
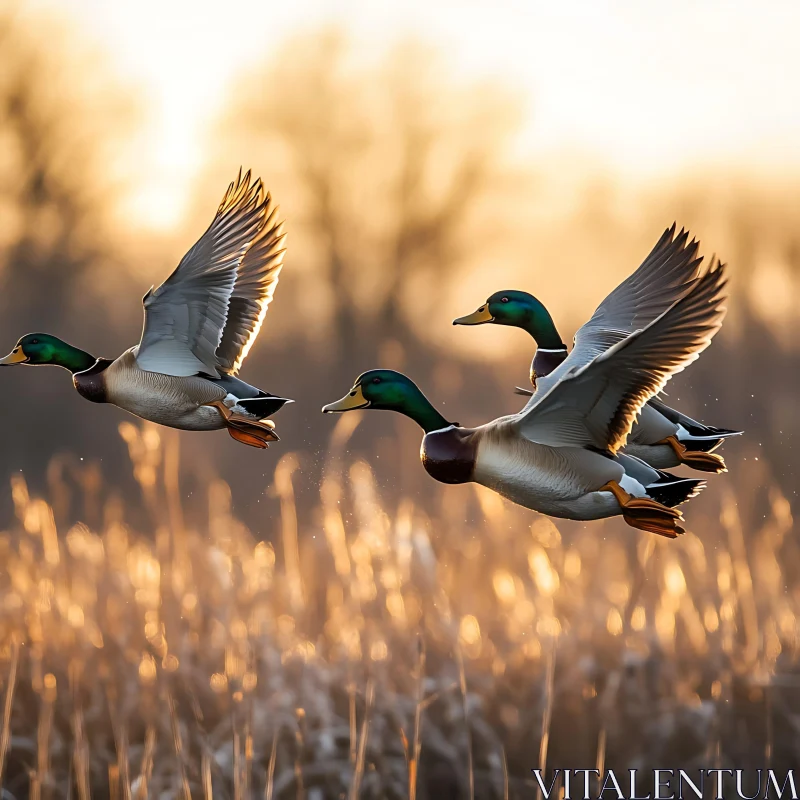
{"points": [[256, 280], [184, 318], [663, 277], [595, 405]]}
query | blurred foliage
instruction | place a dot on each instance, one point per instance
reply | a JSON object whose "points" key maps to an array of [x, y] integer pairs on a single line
{"points": [[61, 115], [386, 171]]}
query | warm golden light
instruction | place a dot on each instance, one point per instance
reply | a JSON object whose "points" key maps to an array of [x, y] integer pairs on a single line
{"points": [[202, 621], [572, 64]]}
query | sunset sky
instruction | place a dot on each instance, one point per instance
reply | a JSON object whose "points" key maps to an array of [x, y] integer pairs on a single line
{"points": [[645, 88]]}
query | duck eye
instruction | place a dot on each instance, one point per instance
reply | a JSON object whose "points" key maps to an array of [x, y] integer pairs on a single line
{"points": [[503, 299], [34, 341], [376, 380]]}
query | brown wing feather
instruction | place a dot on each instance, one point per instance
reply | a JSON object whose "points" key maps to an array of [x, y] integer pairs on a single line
{"points": [[252, 293]]}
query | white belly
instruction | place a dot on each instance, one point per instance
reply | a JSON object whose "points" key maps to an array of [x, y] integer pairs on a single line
{"points": [[660, 456], [164, 399], [188, 418], [551, 481], [651, 427]]}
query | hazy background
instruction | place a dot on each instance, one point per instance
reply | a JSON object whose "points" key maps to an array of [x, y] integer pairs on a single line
{"points": [[246, 609], [423, 158]]}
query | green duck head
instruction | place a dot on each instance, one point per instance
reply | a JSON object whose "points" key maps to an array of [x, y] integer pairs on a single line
{"points": [[41, 348], [519, 310], [391, 391]]}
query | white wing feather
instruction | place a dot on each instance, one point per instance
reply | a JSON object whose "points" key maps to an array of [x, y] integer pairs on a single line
{"points": [[185, 317], [663, 277], [594, 405]]}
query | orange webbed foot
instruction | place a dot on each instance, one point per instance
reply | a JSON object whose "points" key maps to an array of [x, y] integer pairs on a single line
{"points": [[696, 459], [646, 514], [255, 433]]}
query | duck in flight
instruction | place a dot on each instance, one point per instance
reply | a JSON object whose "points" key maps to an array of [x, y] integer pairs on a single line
{"points": [[199, 326], [561, 455], [661, 436]]}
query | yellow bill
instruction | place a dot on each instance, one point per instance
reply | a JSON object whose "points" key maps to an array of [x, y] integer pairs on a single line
{"points": [[354, 399], [476, 317], [16, 356]]}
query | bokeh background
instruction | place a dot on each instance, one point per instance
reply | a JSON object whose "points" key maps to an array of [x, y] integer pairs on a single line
{"points": [[423, 156]]}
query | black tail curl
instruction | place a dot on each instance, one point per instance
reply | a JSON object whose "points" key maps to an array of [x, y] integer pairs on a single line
{"points": [[262, 407], [675, 491]]}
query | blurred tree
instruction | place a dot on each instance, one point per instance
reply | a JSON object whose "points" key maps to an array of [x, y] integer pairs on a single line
{"points": [[53, 180], [395, 179], [387, 170], [59, 118]]}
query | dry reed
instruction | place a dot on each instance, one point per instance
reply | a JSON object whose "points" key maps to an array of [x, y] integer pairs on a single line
{"points": [[384, 653]]}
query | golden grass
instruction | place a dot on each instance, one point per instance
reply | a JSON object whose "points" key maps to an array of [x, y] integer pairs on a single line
{"points": [[385, 652]]}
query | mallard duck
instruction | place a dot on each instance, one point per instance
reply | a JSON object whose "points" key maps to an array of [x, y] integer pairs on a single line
{"points": [[559, 455], [662, 436], [198, 328]]}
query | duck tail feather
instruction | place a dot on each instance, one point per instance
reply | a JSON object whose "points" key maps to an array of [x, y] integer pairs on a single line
{"points": [[263, 407], [704, 433], [675, 491], [692, 429]]}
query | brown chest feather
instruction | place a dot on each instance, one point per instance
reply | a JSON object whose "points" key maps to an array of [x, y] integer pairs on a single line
{"points": [[91, 383], [545, 361], [449, 455]]}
